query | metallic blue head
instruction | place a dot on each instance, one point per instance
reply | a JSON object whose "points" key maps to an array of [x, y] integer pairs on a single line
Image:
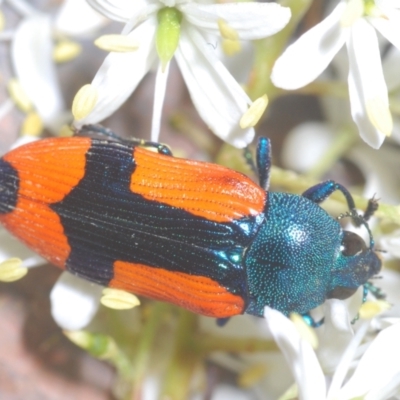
{"points": [[301, 257]]}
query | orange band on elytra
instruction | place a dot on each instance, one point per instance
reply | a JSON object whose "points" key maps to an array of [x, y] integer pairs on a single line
{"points": [[206, 190], [199, 294]]}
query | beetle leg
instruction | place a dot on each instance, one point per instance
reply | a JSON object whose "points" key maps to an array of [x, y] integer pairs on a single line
{"points": [[321, 191], [88, 130], [222, 321], [263, 159], [310, 321]]}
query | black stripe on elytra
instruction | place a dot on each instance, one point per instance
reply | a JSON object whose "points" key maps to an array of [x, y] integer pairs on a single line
{"points": [[104, 222], [9, 184]]}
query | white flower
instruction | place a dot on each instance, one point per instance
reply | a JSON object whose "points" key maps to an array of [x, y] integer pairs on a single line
{"points": [[352, 23], [74, 301], [219, 99], [376, 374], [32, 45]]}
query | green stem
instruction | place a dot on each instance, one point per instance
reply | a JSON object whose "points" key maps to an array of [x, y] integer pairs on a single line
{"points": [[269, 49], [210, 343], [144, 346], [184, 359], [294, 183]]}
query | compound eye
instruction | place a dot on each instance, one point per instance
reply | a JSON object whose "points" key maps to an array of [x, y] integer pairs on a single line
{"points": [[341, 293], [352, 244]]}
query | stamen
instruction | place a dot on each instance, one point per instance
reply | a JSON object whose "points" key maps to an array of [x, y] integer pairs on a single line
{"points": [[371, 309], [305, 331], [119, 299], [254, 113], [66, 50], [227, 32], [18, 95], [11, 270], [84, 101], [231, 47], [117, 43], [379, 114], [32, 125]]}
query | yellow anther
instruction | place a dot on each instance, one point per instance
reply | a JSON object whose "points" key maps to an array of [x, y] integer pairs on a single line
{"points": [[66, 131], [305, 331], [32, 125], [227, 32], [11, 270], [84, 101], [66, 50], [117, 43], [18, 95], [118, 299], [252, 375], [379, 114], [254, 113], [371, 309], [231, 47]]}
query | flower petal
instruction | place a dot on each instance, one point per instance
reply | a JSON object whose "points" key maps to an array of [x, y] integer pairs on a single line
{"points": [[74, 301], [299, 356], [120, 73], [76, 17], [117, 10], [366, 81], [250, 20], [335, 336], [32, 59], [390, 67], [389, 26], [345, 361], [305, 59], [124, 11], [218, 98], [384, 352]]}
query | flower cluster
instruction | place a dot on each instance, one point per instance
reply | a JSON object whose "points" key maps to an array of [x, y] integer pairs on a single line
{"points": [[352, 53]]}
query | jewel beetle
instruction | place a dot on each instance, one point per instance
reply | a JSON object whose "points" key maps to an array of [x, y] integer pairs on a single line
{"points": [[188, 232]]}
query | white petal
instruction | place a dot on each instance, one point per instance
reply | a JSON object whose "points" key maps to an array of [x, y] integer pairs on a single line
{"points": [[250, 20], [22, 7], [366, 81], [344, 364], [159, 96], [33, 63], [12, 247], [389, 26], [118, 10], [120, 73], [76, 17], [305, 59], [378, 366], [218, 98], [391, 243], [335, 336], [74, 301], [378, 177], [299, 356], [390, 67]]}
